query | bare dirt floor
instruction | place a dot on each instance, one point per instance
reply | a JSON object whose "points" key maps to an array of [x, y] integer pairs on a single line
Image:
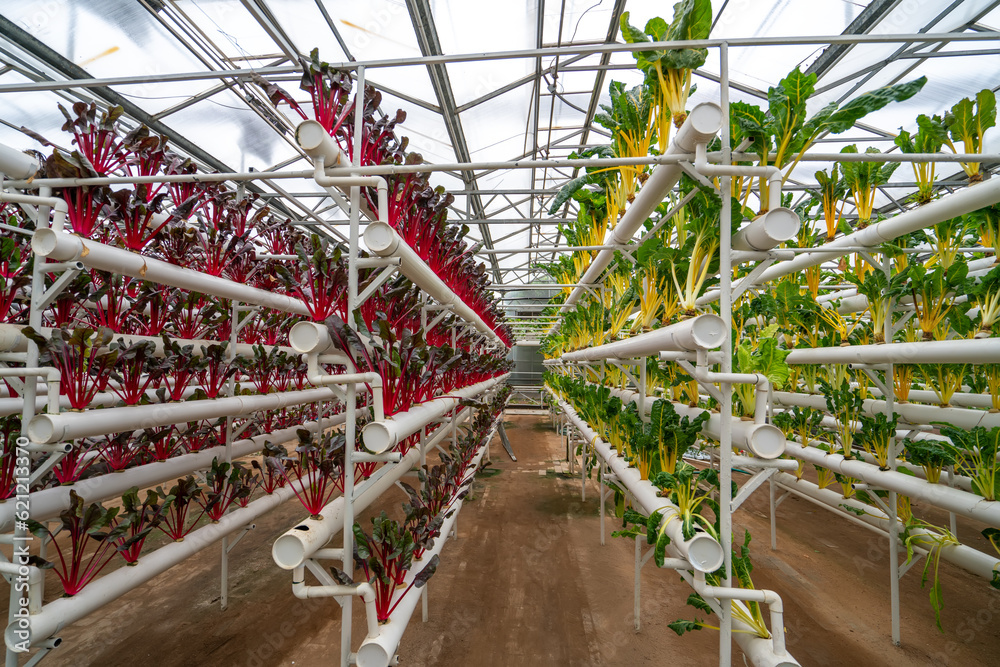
{"points": [[527, 582]]}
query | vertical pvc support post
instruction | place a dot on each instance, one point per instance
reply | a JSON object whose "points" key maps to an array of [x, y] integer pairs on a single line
{"points": [[35, 586], [423, 486], [636, 606], [772, 500], [601, 490], [726, 311], [350, 427], [230, 391], [890, 395]]}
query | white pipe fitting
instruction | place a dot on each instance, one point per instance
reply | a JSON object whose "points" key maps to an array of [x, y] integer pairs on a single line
{"points": [[770, 598], [773, 175], [58, 205], [363, 590], [52, 376]]}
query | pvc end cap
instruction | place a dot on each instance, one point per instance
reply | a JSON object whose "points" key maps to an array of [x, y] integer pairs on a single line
{"points": [[14, 637], [706, 118], [708, 331], [44, 241], [781, 224], [377, 437], [705, 553], [288, 552], [313, 138], [306, 337], [381, 239], [766, 441], [42, 429], [373, 655]]}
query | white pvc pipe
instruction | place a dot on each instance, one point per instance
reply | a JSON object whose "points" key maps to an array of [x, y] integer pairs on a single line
{"points": [[67, 610], [772, 173], [762, 438], [313, 138], [961, 351], [17, 165], [939, 495], [379, 651], [384, 241], [11, 340], [704, 332], [950, 206], [701, 126], [767, 231], [380, 436], [59, 246], [57, 204], [702, 551], [51, 428], [912, 413], [298, 544], [967, 558], [48, 503], [770, 598]]}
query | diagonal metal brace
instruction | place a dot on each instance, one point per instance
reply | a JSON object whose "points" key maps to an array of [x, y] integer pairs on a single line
{"points": [[750, 486], [70, 270], [377, 282], [712, 390]]}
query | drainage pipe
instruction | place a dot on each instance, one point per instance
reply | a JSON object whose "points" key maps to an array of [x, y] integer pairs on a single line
{"points": [[52, 428], [767, 652], [965, 557], [299, 543], [65, 611], [380, 436], [702, 551], [701, 126], [52, 378], [967, 200], [363, 590], [60, 246], [704, 332], [57, 204]]}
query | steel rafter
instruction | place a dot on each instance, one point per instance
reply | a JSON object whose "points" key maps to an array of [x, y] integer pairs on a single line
{"points": [[427, 37]]}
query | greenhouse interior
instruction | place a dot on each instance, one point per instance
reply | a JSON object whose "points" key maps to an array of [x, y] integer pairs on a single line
{"points": [[287, 285]]}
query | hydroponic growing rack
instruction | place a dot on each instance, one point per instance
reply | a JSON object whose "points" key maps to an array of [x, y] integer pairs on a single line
{"points": [[200, 263]]}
